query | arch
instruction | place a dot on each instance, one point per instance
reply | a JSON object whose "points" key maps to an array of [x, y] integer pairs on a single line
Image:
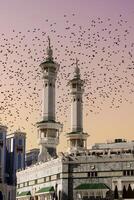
{"points": [[129, 192], [124, 195], [116, 195]]}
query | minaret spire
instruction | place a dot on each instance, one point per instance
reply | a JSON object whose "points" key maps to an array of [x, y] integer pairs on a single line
{"points": [[49, 42], [49, 51], [77, 70]]}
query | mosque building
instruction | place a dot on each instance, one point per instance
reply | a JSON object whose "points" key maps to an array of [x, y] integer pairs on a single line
{"points": [[106, 171]]}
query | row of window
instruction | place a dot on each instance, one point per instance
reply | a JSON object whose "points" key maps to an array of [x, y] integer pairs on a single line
{"points": [[77, 99], [50, 84], [125, 173], [39, 181], [74, 85], [92, 174], [128, 173]]}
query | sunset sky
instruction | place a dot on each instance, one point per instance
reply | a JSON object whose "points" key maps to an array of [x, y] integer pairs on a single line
{"points": [[100, 33]]}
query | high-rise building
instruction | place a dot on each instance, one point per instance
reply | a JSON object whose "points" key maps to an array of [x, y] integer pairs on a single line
{"points": [[15, 144], [3, 132], [12, 158]]}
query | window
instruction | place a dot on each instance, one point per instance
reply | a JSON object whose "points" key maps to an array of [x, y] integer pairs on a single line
{"points": [[19, 161], [124, 173], [20, 141], [50, 84], [128, 173], [132, 172], [92, 174], [74, 85], [45, 84]]}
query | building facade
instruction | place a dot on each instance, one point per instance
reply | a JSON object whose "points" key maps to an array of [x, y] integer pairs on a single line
{"points": [[106, 171], [12, 158]]}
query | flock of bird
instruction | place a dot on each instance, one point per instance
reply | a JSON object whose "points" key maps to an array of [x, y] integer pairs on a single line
{"points": [[104, 48]]}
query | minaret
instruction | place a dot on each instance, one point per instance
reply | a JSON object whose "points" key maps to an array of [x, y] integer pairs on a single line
{"points": [[48, 128], [77, 139]]}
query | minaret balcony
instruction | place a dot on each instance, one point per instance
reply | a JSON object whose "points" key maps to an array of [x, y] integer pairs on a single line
{"points": [[48, 141], [49, 125], [49, 65], [76, 149], [77, 135]]}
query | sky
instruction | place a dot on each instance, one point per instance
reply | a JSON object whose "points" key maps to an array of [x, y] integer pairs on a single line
{"points": [[100, 33]]}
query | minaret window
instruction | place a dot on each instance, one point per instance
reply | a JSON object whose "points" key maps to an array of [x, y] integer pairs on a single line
{"points": [[74, 99], [74, 85], [78, 99], [46, 85], [50, 84]]}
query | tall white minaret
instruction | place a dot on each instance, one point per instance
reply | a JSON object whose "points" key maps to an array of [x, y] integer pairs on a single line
{"points": [[77, 139], [48, 128]]}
